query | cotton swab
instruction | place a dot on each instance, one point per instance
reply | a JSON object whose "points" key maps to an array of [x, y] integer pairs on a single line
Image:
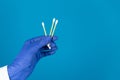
{"points": [[43, 25], [53, 31], [53, 22]]}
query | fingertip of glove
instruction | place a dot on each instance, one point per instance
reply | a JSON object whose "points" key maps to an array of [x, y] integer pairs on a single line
{"points": [[54, 38]]}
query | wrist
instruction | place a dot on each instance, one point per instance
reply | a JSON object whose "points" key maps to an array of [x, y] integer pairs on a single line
{"points": [[13, 71]]}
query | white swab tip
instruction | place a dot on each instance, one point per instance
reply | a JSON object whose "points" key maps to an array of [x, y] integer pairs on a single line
{"points": [[53, 19], [42, 23], [56, 21]]}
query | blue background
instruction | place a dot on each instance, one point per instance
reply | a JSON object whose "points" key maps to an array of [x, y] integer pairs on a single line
{"points": [[88, 32]]}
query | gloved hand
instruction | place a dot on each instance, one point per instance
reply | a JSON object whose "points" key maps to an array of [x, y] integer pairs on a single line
{"points": [[32, 51]]}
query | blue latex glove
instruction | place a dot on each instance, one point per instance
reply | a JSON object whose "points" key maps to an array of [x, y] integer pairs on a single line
{"points": [[32, 51]]}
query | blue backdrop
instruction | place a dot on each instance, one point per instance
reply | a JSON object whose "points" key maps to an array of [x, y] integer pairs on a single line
{"points": [[88, 32]]}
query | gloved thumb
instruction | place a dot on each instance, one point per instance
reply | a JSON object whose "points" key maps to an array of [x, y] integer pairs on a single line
{"points": [[44, 41]]}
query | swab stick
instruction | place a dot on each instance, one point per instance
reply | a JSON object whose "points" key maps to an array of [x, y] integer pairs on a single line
{"points": [[52, 29], [56, 22], [53, 22], [43, 25]]}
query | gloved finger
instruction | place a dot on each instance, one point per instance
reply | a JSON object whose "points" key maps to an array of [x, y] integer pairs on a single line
{"points": [[48, 53], [44, 49], [54, 48], [35, 39], [52, 52], [43, 54], [44, 41], [54, 38], [52, 44], [41, 43]]}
